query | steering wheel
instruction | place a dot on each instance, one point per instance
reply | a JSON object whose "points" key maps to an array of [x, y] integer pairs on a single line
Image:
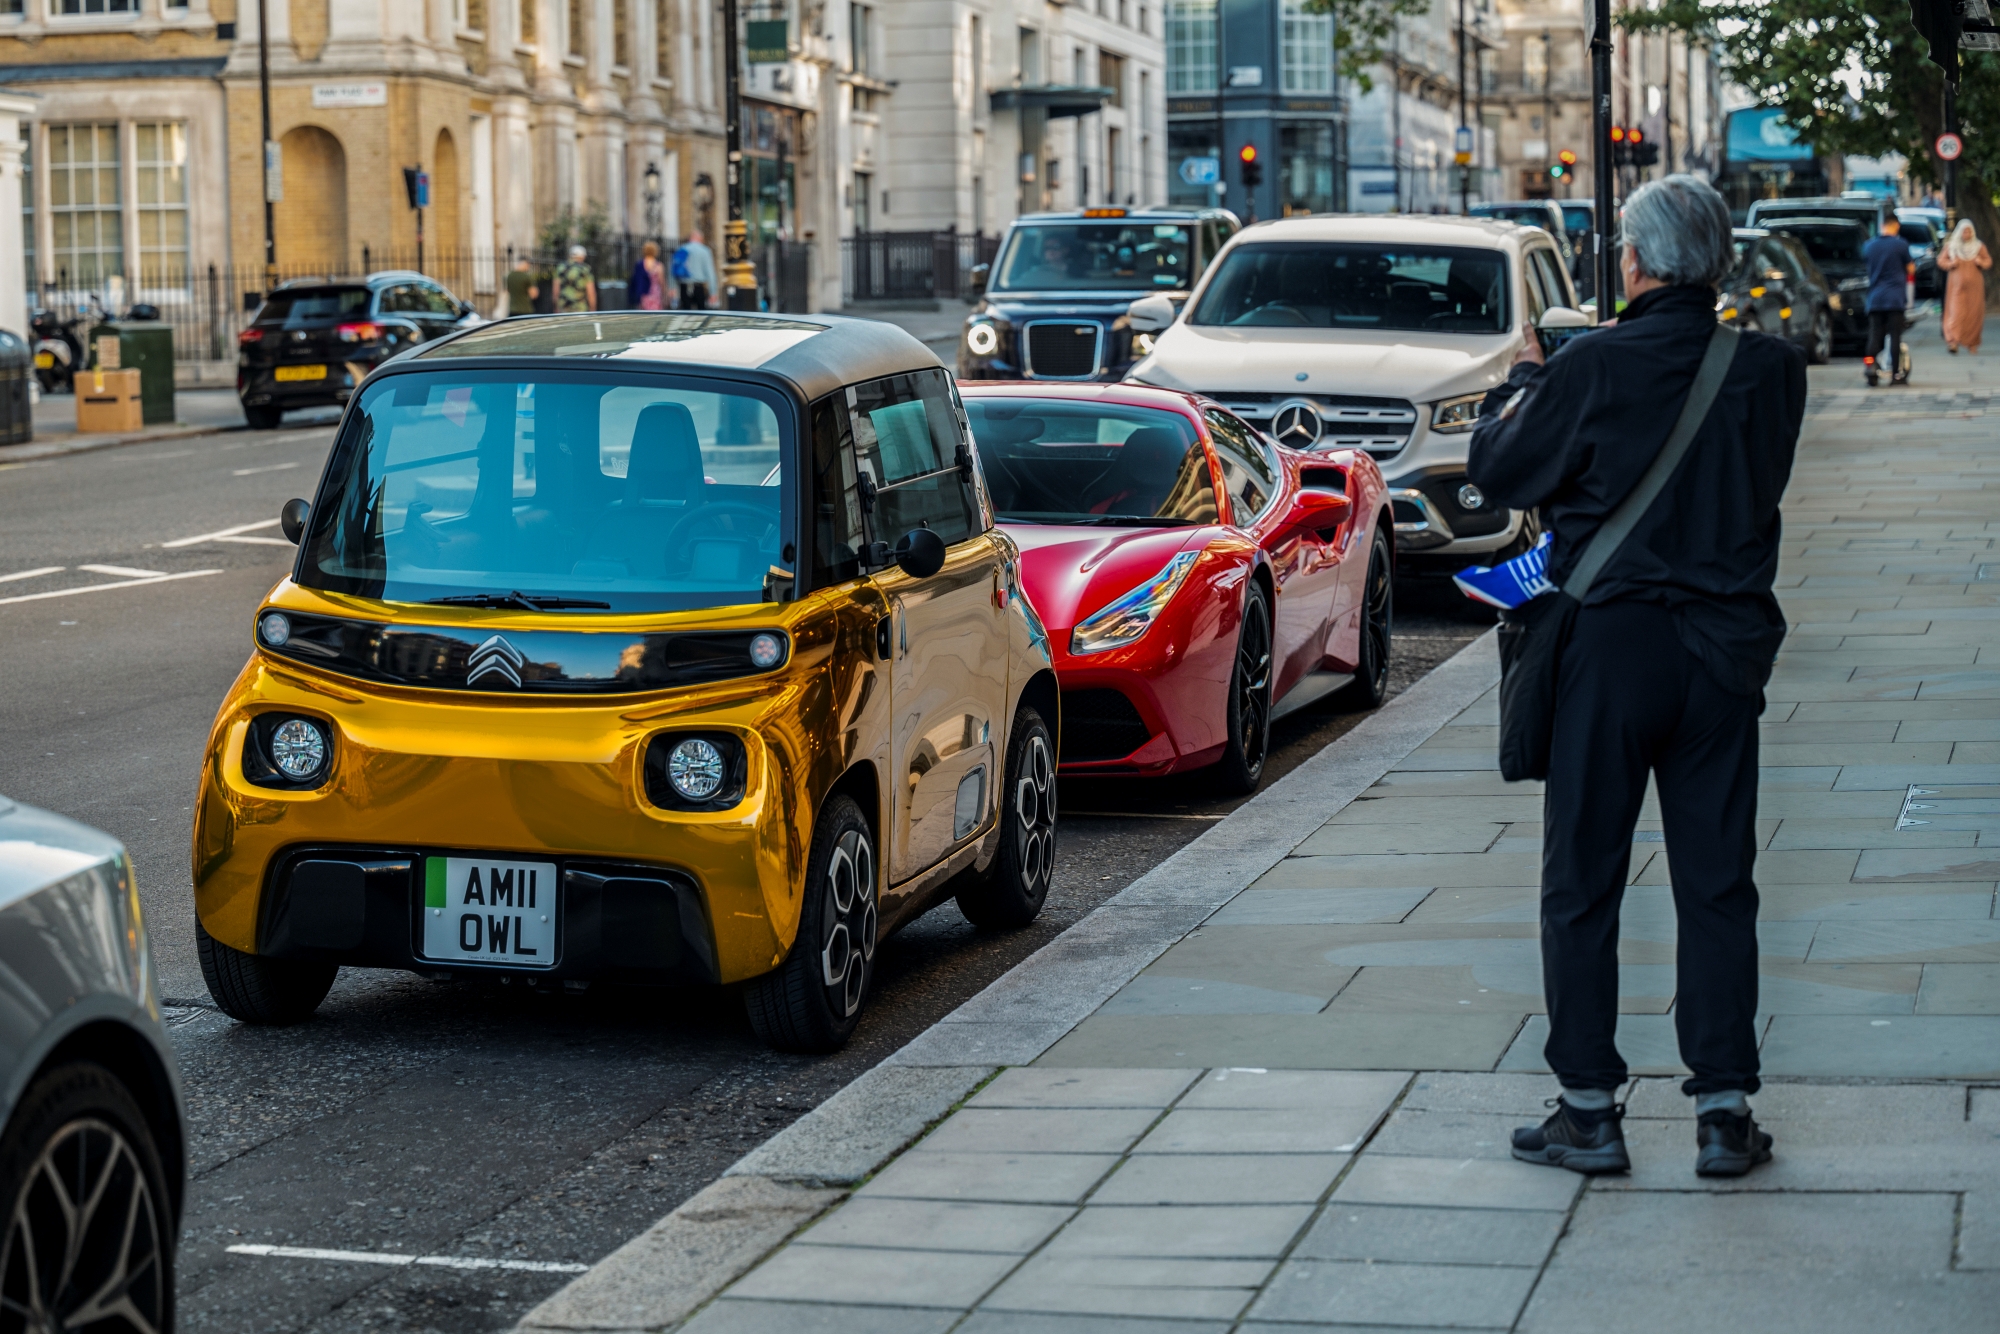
{"points": [[677, 558]]}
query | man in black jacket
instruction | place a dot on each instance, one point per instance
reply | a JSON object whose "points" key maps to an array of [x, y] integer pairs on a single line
{"points": [[1665, 669]]}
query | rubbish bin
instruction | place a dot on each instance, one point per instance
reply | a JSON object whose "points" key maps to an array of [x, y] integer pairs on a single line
{"points": [[17, 370], [146, 346], [611, 294]]}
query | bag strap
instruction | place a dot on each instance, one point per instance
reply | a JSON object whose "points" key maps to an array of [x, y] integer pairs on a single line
{"points": [[1604, 544]]}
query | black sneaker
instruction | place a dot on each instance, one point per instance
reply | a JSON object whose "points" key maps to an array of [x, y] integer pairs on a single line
{"points": [[1728, 1145], [1587, 1142]]}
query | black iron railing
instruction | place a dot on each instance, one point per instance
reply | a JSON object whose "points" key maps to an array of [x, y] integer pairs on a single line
{"points": [[912, 266]]}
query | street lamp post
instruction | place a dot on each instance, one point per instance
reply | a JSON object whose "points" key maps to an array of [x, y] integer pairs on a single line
{"points": [[1600, 156], [264, 93], [739, 275], [1464, 157]]}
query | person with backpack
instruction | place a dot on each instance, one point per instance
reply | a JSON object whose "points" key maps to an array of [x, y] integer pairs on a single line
{"points": [[694, 270], [1657, 451], [649, 281]]}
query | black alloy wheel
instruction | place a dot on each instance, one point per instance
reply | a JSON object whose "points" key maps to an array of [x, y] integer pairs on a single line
{"points": [[1378, 613], [1819, 349], [1013, 889], [90, 1239], [1242, 764], [812, 1001]]}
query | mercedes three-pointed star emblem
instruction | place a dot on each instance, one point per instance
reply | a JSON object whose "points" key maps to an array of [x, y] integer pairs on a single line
{"points": [[1297, 423], [495, 657]]}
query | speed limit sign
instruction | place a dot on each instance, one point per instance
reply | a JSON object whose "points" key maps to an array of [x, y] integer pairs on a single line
{"points": [[1949, 146]]}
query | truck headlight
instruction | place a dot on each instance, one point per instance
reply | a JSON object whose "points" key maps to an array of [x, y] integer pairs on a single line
{"points": [[1453, 415], [982, 339], [1126, 619]]}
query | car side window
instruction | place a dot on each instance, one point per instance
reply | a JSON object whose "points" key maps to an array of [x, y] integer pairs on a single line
{"points": [[838, 529], [1248, 471], [907, 443], [1531, 280], [398, 299], [437, 301], [1554, 284]]}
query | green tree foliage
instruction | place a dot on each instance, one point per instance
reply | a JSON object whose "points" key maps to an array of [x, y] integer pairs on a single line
{"points": [[1853, 76], [1362, 29]]}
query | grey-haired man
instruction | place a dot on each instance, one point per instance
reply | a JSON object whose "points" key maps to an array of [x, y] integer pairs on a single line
{"points": [[1664, 672]]}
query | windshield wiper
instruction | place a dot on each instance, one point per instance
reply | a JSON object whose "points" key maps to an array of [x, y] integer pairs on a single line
{"points": [[520, 600]]}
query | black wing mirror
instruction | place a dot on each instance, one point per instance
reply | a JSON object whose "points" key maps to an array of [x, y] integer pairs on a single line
{"points": [[980, 273], [292, 518], [920, 553]]}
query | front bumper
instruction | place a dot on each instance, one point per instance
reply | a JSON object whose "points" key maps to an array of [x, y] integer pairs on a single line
{"points": [[1432, 519], [423, 772]]}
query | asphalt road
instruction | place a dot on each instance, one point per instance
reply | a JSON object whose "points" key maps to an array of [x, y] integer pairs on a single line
{"points": [[409, 1116]]}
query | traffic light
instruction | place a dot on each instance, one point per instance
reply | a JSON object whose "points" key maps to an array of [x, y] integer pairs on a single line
{"points": [[1253, 170], [1564, 165]]}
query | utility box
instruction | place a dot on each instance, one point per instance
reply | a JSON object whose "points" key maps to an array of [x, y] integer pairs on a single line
{"points": [[108, 401], [145, 346], [17, 371]]}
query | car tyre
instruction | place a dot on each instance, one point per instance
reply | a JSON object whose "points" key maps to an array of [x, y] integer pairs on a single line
{"points": [[263, 418], [812, 1001], [1241, 767], [1819, 350], [1378, 616], [1010, 893], [256, 989], [89, 1224]]}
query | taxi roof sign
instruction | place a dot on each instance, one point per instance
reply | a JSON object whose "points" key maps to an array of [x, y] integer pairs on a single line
{"points": [[1104, 213]]}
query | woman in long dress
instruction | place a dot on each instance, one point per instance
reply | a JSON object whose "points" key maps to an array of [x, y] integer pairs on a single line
{"points": [[1963, 256]]}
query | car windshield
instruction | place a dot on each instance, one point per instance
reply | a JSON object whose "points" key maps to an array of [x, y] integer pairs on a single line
{"points": [[561, 490], [1917, 233], [1117, 256], [1576, 220], [1050, 461], [1832, 244], [313, 305], [1772, 215], [1328, 285]]}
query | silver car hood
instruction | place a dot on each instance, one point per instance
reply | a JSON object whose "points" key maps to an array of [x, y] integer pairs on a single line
{"points": [[1420, 367], [39, 849]]}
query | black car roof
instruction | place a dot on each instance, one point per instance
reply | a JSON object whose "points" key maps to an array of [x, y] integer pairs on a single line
{"points": [[816, 353]]}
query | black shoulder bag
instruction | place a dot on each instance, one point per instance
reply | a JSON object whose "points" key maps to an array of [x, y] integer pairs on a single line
{"points": [[1533, 634]]}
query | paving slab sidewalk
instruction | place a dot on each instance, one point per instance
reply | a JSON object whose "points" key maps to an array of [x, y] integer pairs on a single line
{"points": [[1271, 1089]]}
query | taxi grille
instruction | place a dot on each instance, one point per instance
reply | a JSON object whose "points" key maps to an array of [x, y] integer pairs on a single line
{"points": [[1062, 350], [1100, 725]]}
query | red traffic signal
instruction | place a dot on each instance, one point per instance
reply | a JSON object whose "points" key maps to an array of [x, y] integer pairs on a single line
{"points": [[1567, 158], [1617, 134], [1253, 170], [1248, 152], [1634, 135]]}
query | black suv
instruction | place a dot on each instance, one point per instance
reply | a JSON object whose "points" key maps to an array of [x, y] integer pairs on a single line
{"points": [[1054, 301], [313, 341]]}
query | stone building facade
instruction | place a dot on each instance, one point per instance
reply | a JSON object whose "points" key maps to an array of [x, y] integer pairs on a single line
{"points": [[143, 163]]}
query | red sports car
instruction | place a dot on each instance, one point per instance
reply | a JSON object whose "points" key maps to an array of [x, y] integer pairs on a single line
{"points": [[1197, 580]]}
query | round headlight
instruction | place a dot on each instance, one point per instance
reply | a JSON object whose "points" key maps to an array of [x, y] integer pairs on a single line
{"points": [[1470, 497], [1142, 345], [276, 628], [695, 769], [981, 339], [766, 651], [298, 749]]}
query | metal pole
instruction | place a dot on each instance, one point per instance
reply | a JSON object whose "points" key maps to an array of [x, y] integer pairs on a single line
{"points": [[1221, 130], [1950, 168], [1667, 105], [264, 92], [1464, 168], [739, 273], [1600, 158], [1549, 109]]}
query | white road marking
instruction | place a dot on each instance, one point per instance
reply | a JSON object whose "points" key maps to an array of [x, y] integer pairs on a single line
{"points": [[388, 1258], [32, 574], [222, 533], [269, 467], [122, 571], [99, 588]]}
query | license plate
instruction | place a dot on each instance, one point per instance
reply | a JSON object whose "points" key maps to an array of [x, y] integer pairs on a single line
{"points": [[45, 361], [478, 910], [301, 373]]}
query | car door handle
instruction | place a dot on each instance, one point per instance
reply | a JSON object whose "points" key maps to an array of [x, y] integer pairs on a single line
{"points": [[885, 641]]}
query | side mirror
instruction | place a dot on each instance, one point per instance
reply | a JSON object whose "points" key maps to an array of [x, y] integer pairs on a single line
{"points": [[1150, 314], [920, 553], [980, 273], [292, 518], [1563, 317], [1321, 511]]}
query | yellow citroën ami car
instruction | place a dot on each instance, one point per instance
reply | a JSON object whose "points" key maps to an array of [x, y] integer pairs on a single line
{"points": [[638, 647]]}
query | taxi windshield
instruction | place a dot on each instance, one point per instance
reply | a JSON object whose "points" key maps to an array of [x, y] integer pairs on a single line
{"points": [[1050, 461], [1346, 285], [564, 491], [1114, 256]]}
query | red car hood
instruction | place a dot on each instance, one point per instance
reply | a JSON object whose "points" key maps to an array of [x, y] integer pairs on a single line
{"points": [[1069, 573]]}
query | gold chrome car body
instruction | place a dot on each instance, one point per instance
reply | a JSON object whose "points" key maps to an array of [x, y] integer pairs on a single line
{"points": [[892, 689]]}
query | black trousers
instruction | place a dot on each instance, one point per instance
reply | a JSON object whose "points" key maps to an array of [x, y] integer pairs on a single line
{"points": [[1631, 701], [1886, 324]]}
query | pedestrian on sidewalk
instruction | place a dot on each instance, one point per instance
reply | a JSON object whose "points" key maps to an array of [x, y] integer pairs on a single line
{"points": [[1891, 270], [1664, 669], [521, 289], [1964, 256], [649, 279], [576, 287], [694, 270]]}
